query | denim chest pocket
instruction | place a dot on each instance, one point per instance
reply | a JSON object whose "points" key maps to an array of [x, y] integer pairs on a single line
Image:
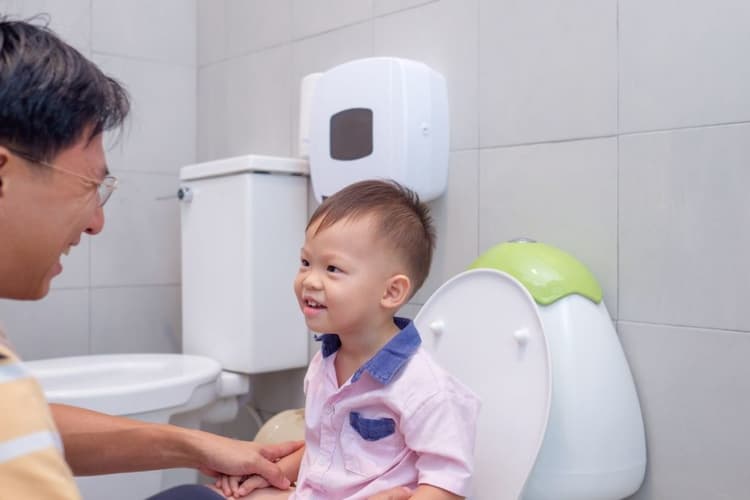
{"points": [[370, 446], [372, 429]]}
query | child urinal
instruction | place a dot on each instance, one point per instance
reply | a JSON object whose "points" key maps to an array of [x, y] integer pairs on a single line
{"points": [[483, 327], [528, 331]]}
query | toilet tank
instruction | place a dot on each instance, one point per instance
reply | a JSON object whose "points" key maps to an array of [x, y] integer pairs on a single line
{"points": [[243, 223]]}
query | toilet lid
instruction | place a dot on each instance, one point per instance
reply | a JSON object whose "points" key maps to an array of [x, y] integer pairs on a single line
{"points": [[484, 328], [124, 384]]}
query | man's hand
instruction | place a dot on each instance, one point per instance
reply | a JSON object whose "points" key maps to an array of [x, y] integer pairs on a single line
{"points": [[400, 493], [224, 456]]}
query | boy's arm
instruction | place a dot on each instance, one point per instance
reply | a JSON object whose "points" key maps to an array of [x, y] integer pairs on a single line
{"points": [[290, 464], [96, 443]]}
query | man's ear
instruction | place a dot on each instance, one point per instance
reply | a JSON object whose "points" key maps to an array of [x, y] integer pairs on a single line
{"points": [[397, 292]]}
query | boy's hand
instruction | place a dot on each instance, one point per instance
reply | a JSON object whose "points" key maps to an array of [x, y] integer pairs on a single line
{"points": [[239, 486], [254, 482]]}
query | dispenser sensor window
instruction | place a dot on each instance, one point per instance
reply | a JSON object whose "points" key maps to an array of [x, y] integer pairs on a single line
{"points": [[351, 134]]}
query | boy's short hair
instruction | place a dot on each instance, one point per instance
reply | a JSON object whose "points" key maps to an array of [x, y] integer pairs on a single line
{"points": [[403, 220], [50, 94]]}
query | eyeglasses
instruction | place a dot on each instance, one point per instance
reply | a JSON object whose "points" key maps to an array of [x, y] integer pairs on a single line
{"points": [[104, 189]]}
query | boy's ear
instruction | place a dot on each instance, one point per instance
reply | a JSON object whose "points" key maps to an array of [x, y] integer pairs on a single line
{"points": [[397, 291]]}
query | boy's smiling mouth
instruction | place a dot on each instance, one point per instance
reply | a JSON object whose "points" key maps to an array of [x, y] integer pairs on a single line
{"points": [[313, 304]]}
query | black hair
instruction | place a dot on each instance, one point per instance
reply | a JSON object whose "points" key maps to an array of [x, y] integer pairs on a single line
{"points": [[403, 220], [50, 94]]}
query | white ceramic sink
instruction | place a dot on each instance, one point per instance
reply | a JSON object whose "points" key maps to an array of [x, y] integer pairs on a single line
{"points": [[122, 384]]}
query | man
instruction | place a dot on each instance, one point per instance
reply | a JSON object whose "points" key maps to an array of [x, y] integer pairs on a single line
{"points": [[54, 108]]}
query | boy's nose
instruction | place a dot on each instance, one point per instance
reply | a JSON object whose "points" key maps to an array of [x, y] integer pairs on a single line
{"points": [[312, 280]]}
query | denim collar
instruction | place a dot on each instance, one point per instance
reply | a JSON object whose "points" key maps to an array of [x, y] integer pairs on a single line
{"points": [[387, 361]]}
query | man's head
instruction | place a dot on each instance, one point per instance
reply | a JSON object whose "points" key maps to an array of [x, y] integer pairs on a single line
{"points": [[51, 96], [367, 250], [54, 107]]}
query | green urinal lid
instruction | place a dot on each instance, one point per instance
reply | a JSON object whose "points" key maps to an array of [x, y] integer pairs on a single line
{"points": [[548, 273]]}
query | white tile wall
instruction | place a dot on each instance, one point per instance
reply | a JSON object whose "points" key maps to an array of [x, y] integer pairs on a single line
{"points": [[380, 7], [162, 31], [136, 319], [257, 24], [310, 18], [547, 70], [259, 90], [244, 105], [71, 20], [160, 134], [409, 311], [58, 325], [232, 28], [685, 227], [212, 32], [442, 35], [562, 194], [140, 244], [682, 63], [456, 219], [693, 387], [213, 111]]}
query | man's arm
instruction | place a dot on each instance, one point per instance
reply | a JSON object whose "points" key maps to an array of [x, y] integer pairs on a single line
{"points": [[96, 443]]}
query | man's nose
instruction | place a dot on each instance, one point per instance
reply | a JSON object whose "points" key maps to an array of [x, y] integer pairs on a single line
{"points": [[96, 223]]}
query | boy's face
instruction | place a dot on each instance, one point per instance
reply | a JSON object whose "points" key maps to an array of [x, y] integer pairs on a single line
{"points": [[344, 275]]}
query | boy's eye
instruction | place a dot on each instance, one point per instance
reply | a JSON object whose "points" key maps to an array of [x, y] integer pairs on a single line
{"points": [[332, 269], [304, 263]]}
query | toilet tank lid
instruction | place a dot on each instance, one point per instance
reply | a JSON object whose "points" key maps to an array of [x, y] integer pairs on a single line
{"points": [[245, 164]]}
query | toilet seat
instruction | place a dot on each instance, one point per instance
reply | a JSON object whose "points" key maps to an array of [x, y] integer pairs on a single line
{"points": [[125, 384], [484, 328]]}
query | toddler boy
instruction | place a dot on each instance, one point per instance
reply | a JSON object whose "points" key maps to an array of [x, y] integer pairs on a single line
{"points": [[379, 412]]}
